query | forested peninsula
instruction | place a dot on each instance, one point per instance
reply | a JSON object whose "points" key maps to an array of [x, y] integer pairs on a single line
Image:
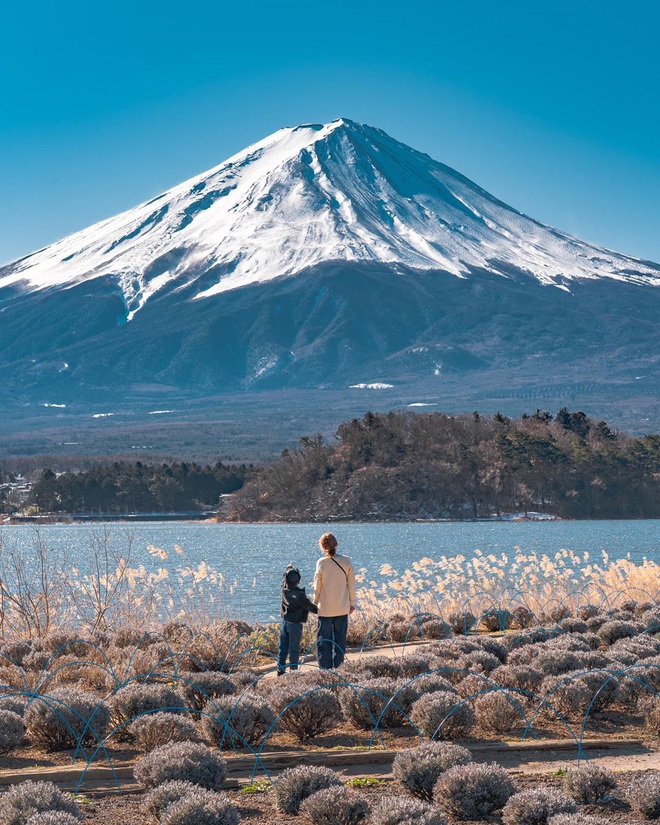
{"points": [[404, 465], [391, 466]]}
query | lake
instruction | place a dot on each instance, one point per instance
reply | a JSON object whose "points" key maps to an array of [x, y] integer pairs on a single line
{"points": [[252, 557]]}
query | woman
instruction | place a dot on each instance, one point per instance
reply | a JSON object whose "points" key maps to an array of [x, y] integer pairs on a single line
{"points": [[334, 595]]}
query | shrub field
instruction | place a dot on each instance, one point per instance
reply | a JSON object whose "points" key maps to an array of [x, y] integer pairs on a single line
{"points": [[183, 702]]}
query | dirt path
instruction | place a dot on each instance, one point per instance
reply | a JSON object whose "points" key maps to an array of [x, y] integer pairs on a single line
{"points": [[528, 757], [308, 662]]}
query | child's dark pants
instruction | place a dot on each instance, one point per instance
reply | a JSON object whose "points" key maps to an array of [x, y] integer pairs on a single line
{"points": [[290, 636]]}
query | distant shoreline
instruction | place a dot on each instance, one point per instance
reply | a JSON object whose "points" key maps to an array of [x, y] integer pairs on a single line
{"points": [[201, 518], [90, 518]]}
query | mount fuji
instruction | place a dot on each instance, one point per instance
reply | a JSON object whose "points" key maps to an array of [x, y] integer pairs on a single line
{"points": [[330, 258]]}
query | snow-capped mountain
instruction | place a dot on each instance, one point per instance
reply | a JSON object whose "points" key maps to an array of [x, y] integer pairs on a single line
{"points": [[336, 267], [309, 195]]}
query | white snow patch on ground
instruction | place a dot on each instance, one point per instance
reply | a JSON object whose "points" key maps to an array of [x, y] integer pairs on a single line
{"points": [[265, 365], [137, 294], [376, 385]]}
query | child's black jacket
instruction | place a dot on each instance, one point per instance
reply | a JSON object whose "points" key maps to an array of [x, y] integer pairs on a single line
{"points": [[295, 605]]}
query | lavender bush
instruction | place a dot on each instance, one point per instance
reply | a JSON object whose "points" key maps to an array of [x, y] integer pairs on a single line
{"points": [[536, 806], [11, 730], [496, 712], [310, 714], [23, 801], [187, 761], [294, 785], [230, 723], [201, 807], [135, 699], [418, 769], [198, 688], [442, 715], [162, 796], [473, 791], [589, 784], [66, 718], [53, 818], [334, 806], [397, 810], [644, 795], [156, 729]]}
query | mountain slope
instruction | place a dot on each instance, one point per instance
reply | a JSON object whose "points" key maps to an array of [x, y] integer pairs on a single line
{"points": [[305, 196], [320, 262]]}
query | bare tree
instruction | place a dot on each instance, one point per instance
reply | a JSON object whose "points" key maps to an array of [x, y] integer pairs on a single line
{"points": [[33, 597], [99, 594]]}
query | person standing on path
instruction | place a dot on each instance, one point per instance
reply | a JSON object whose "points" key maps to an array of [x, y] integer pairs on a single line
{"points": [[334, 595], [295, 608]]}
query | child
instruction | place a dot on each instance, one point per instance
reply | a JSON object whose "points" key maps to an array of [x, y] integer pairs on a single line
{"points": [[295, 609]]}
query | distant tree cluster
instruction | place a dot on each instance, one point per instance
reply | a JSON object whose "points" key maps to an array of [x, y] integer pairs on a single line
{"points": [[403, 465], [136, 488]]}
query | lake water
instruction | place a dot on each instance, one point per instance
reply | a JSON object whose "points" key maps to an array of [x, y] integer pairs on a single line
{"points": [[252, 557]]}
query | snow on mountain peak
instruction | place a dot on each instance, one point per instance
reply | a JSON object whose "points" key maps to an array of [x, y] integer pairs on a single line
{"points": [[307, 195]]}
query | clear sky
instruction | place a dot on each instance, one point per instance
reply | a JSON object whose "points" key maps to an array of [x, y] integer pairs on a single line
{"points": [[552, 107]]}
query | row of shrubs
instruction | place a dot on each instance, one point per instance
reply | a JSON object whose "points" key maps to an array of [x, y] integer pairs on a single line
{"points": [[228, 644], [105, 660], [447, 689], [184, 784], [440, 778], [69, 718]]}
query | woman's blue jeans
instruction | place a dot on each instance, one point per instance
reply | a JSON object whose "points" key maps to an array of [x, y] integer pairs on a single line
{"points": [[290, 636], [331, 641]]}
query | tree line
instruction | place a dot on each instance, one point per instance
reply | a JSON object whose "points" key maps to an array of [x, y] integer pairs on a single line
{"points": [[403, 465], [124, 487]]}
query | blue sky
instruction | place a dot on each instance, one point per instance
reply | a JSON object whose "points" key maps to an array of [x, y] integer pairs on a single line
{"points": [[554, 108]]}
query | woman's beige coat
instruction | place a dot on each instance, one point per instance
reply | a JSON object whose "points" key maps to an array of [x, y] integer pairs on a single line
{"points": [[334, 588]]}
